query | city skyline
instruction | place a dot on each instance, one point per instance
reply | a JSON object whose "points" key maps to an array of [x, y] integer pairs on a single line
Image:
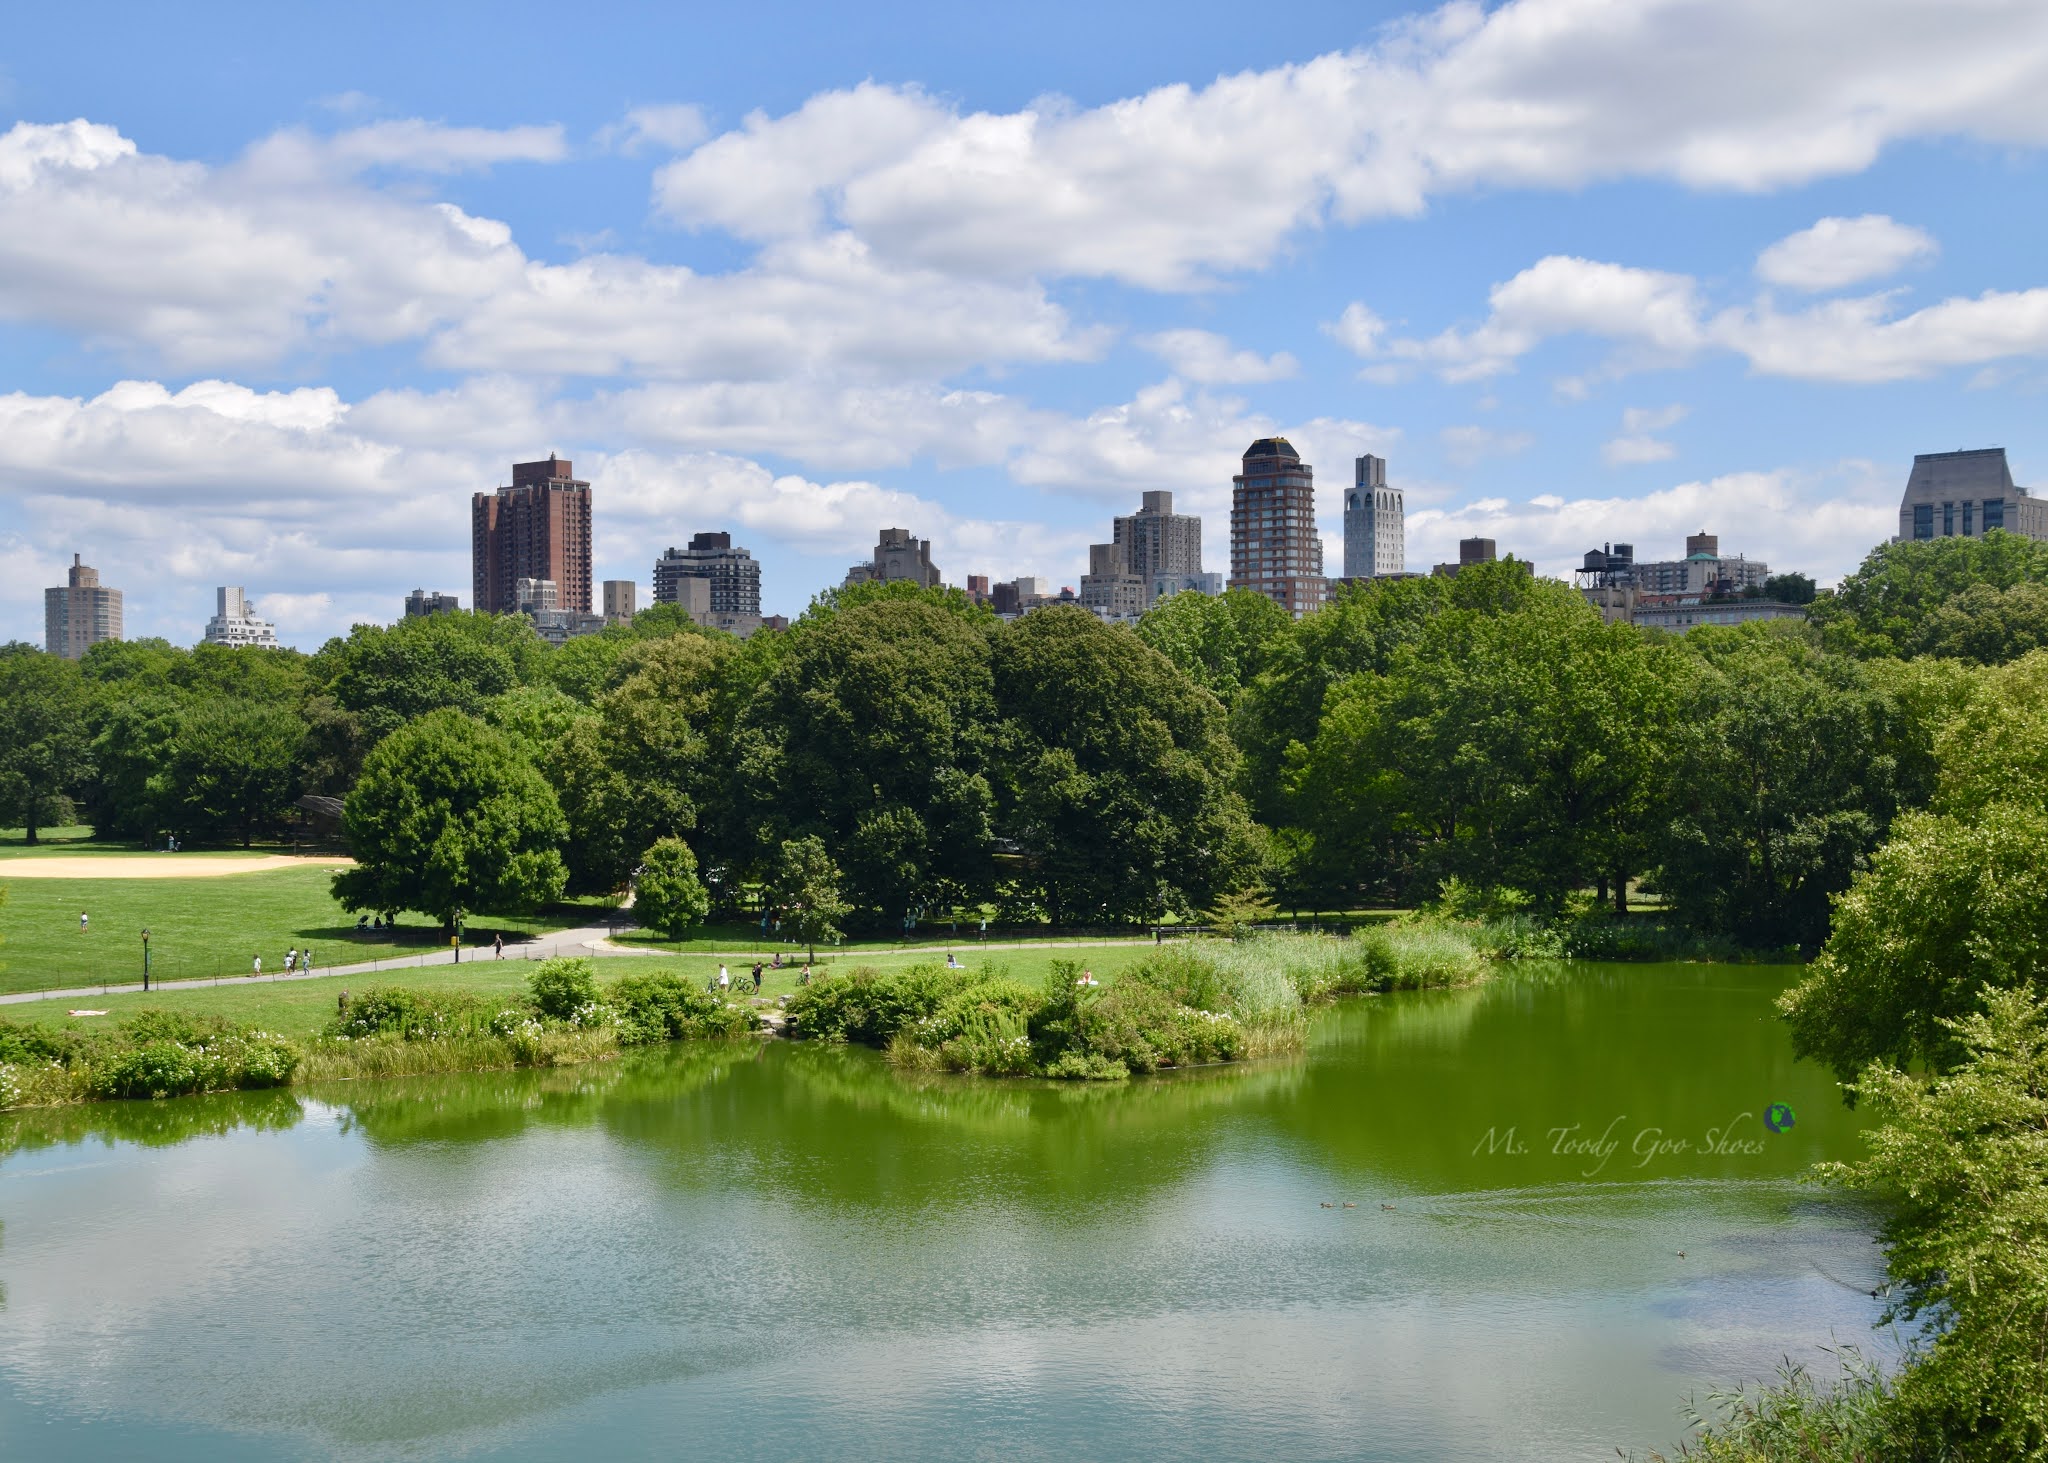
{"points": [[276, 299]]}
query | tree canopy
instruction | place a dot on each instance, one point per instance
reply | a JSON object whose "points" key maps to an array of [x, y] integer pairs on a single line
{"points": [[449, 817]]}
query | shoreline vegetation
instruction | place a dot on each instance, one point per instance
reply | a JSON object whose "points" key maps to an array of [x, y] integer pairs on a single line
{"points": [[1183, 1004]]}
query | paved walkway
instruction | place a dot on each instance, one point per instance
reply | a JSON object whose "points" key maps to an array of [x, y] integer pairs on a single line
{"points": [[591, 940]]}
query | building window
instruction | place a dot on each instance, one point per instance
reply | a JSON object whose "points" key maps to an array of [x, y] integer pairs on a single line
{"points": [[1994, 513], [1969, 514], [1948, 520], [1923, 519]]}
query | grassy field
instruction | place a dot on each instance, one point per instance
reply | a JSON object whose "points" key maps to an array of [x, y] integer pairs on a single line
{"points": [[302, 1007], [199, 928]]}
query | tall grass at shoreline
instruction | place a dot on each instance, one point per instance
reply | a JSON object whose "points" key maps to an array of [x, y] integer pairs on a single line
{"points": [[1187, 1004]]}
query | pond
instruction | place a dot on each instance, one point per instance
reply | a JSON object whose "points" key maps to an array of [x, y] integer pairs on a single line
{"points": [[789, 1249]]}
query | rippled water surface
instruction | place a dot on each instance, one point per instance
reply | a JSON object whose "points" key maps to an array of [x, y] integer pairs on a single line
{"points": [[788, 1250]]}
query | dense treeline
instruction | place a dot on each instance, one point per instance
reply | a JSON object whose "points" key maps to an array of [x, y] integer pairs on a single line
{"points": [[1487, 728]]}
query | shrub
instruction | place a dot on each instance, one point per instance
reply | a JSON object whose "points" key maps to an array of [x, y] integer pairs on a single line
{"points": [[412, 1015], [657, 1008], [563, 987]]}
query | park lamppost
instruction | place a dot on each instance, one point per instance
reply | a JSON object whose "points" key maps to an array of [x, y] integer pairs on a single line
{"points": [[145, 959]]}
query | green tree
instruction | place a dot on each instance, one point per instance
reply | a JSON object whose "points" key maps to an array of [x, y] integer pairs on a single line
{"points": [[389, 675], [131, 753], [229, 772], [45, 752], [871, 732], [1993, 745], [1947, 911], [803, 890], [1516, 742], [1791, 589], [1221, 642], [1961, 1164], [1117, 773], [1789, 768], [1892, 605], [668, 895], [448, 818]]}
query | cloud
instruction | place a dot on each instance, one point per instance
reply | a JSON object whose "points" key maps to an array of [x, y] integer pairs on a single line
{"points": [[1843, 251], [1358, 330], [410, 144], [207, 268], [1814, 520], [1655, 319], [1468, 445], [1203, 356], [1637, 444], [1170, 188], [671, 126]]}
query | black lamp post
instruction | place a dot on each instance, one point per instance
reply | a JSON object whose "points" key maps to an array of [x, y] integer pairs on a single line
{"points": [[145, 959]]}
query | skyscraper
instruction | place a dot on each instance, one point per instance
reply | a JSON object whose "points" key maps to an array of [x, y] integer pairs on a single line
{"points": [[80, 612], [733, 577], [621, 600], [1274, 547], [1158, 541], [1965, 494], [898, 556], [419, 604], [1375, 541], [235, 624], [539, 528]]}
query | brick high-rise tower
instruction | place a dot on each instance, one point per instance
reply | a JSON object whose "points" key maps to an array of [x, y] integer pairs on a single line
{"points": [[1274, 546], [539, 528]]}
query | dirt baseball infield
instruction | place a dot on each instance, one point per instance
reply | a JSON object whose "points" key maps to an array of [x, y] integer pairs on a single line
{"points": [[154, 866]]}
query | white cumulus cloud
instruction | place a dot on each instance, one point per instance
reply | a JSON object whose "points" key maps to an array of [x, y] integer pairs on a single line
{"points": [[1843, 251]]}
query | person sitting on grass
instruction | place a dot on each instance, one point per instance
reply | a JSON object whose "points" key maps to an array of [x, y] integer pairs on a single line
{"points": [[953, 961], [1087, 978]]}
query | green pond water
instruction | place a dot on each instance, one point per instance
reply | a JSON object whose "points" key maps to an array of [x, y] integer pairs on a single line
{"points": [[788, 1250]]}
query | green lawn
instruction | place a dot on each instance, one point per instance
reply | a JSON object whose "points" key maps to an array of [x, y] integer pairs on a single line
{"points": [[199, 928], [302, 1007]]}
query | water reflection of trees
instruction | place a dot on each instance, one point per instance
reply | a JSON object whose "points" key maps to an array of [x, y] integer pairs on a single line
{"points": [[150, 1124], [481, 1107]]}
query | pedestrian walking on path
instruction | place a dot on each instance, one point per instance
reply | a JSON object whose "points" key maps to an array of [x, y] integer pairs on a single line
{"points": [[257, 969], [305, 962], [498, 948]]}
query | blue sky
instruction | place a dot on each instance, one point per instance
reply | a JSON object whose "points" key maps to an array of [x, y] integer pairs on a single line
{"points": [[279, 290]]}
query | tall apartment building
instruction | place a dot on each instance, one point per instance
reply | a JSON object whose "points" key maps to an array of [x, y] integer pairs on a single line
{"points": [[1965, 494], [898, 557], [1110, 588], [420, 603], [621, 601], [80, 612], [1375, 532], [732, 577], [235, 624], [538, 528], [1158, 541], [1274, 547]]}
